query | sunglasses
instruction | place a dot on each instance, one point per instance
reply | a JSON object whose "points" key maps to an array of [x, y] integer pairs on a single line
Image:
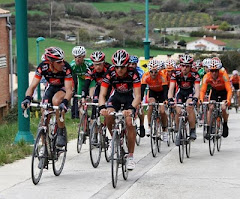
{"points": [[214, 71], [122, 67], [78, 57], [97, 63], [186, 65], [153, 71], [59, 62]]}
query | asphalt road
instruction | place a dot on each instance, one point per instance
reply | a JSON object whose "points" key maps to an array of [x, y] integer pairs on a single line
{"points": [[200, 176]]}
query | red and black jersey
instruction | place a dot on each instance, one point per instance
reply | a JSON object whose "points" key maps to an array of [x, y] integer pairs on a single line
{"points": [[185, 82], [92, 74], [54, 79], [122, 84]]}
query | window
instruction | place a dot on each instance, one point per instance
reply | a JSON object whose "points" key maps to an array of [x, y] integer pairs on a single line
{"points": [[3, 61]]}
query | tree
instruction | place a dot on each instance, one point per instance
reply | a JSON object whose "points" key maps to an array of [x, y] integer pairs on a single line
{"points": [[230, 60], [182, 43], [224, 26]]}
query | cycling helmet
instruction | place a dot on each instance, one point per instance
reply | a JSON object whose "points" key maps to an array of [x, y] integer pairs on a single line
{"points": [[133, 59], [43, 57], [197, 64], [154, 65], [215, 64], [170, 64], [120, 58], [206, 62], [54, 54], [161, 65], [235, 72], [186, 59], [78, 51], [217, 60], [97, 56]]}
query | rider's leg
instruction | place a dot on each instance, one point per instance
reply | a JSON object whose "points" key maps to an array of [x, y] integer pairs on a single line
{"points": [[225, 118], [149, 114]]}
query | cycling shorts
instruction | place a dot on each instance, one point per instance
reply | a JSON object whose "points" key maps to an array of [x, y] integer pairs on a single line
{"points": [[120, 99], [183, 94], [158, 96], [236, 86], [218, 95], [50, 92]]}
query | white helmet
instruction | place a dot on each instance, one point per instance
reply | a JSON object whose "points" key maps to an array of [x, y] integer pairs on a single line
{"points": [[235, 72], [206, 62], [78, 51], [154, 65], [43, 57]]}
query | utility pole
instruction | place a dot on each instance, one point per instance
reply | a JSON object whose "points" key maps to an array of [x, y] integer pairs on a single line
{"points": [[50, 20], [22, 66], [146, 42]]}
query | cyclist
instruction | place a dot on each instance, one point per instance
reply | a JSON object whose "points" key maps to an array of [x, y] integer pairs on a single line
{"points": [[133, 61], [221, 88], [58, 74], [125, 80], [188, 91], [235, 81], [95, 73], [79, 68], [157, 84], [170, 67]]}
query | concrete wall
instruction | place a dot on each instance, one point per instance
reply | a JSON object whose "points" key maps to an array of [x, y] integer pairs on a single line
{"points": [[209, 46]]}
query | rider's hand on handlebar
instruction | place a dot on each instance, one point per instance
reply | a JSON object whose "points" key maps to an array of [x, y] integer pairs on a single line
{"points": [[194, 100], [63, 105], [170, 101], [26, 102]]}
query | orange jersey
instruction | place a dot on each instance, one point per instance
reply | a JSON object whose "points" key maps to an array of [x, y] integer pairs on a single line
{"points": [[154, 84], [234, 79], [221, 83], [167, 76]]}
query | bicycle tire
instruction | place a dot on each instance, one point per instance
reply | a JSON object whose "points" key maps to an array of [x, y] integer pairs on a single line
{"points": [[95, 149], [124, 154], [172, 125], [219, 133], [187, 141], [58, 157], [204, 122], [159, 133], [182, 141], [38, 162], [115, 157], [153, 133], [81, 131], [138, 138], [212, 139], [106, 141]]}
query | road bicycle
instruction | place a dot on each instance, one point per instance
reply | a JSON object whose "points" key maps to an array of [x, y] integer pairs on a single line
{"points": [[83, 127], [183, 132], [235, 100], [171, 124], [216, 127], [119, 148], [45, 150], [98, 139], [155, 128]]}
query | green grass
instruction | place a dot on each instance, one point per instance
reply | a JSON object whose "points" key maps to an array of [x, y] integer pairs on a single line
{"points": [[220, 13], [121, 6], [10, 152], [6, 1]]}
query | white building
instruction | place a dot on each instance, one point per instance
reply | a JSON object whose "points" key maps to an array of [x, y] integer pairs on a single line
{"points": [[207, 44]]}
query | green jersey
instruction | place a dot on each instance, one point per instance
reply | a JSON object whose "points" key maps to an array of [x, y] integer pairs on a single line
{"points": [[201, 73], [80, 72]]}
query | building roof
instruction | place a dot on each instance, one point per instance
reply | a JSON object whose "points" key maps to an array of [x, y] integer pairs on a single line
{"points": [[214, 41], [213, 27], [4, 12]]}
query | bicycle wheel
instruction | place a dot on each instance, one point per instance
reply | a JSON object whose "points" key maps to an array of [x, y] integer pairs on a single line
{"points": [[95, 144], [236, 102], [172, 126], [115, 157], [219, 133], [81, 131], [204, 122], [182, 140], [159, 133], [212, 139], [138, 138], [106, 141], [124, 154], [58, 157], [153, 137], [187, 140], [38, 159]]}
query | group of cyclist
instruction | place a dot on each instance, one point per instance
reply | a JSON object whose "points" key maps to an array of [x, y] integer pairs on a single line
{"points": [[122, 85]]}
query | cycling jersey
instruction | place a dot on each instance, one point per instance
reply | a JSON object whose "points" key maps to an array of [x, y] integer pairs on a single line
{"points": [[154, 84], [201, 72], [54, 79], [122, 84], [167, 75], [220, 84], [80, 72], [140, 71], [235, 80], [185, 82]]}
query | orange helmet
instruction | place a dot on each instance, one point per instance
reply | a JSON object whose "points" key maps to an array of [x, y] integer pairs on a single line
{"points": [[170, 65]]}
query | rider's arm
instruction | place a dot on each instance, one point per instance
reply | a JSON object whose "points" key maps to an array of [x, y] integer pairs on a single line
{"points": [[228, 89], [69, 90], [197, 90], [171, 89], [143, 88], [203, 88], [85, 89], [32, 86], [165, 92], [137, 96], [102, 95]]}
